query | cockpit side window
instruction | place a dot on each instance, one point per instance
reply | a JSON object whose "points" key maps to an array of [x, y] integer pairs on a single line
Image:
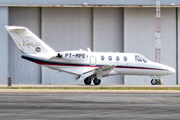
{"points": [[137, 58], [144, 60]]}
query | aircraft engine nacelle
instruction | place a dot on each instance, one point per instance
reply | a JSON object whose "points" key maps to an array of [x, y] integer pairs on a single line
{"points": [[73, 56]]}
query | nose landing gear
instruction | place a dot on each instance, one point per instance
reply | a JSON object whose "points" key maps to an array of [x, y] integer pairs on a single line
{"points": [[156, 81], [153, 81]]}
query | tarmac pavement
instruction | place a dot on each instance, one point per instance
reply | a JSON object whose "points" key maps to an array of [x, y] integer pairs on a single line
{"points": [[76, 104], [88, 106]]}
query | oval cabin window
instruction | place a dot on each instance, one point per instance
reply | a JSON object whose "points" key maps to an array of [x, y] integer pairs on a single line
{"points": [[125, 58], [102, 58], [117, 58], [110, 58]]}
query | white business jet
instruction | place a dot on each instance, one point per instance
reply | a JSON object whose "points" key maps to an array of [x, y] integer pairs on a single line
{"points": [[88, 66]]}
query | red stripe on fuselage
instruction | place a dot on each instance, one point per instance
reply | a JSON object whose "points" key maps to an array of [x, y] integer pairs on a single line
{"points": [[43, 63]]}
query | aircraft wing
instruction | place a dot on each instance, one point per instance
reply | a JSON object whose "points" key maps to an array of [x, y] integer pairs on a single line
{"points": [[104, 70], [99, 72]]}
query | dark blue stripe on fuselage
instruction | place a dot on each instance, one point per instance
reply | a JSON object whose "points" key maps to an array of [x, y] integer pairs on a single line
{"points": [[46, 62]]}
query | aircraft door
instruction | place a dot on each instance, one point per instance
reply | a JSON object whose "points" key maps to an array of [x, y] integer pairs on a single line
{"points": [[93, 60]]}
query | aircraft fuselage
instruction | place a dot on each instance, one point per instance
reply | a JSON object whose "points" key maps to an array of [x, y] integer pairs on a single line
{"points": [[79, 62]]}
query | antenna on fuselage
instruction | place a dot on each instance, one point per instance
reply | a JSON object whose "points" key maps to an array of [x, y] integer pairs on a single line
{"points": [[88, 49]]}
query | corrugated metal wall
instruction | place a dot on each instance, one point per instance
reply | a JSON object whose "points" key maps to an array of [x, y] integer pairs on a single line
{"points": [[139, 37], [3, 45], [108, 35], [101, 29], [23, 71], [178, 13], [65, 29]]}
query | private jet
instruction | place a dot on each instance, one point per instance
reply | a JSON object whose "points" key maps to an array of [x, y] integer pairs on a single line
{"points": [[86, 65]]}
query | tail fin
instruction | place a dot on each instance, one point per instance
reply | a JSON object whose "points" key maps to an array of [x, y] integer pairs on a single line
{"points": [[27, 41]]}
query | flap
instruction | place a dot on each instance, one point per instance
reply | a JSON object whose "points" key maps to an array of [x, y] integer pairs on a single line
{"points": [[105, 70]]}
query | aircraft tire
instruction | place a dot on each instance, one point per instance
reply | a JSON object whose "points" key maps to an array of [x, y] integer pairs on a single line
{"points": [[153, 81], [87, 81], [96, 81]]}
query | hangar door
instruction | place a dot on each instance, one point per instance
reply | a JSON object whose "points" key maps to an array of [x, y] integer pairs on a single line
{"points": [[23, 71], [140, 26], [65, 29], [108, 35]]}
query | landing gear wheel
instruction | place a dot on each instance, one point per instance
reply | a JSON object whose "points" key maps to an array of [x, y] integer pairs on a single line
{"points": [[153, 81], [87, 81], [96, 81]]}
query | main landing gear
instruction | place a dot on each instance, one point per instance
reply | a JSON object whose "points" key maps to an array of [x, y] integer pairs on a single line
{"points": [[96, 81], [88, 80]]}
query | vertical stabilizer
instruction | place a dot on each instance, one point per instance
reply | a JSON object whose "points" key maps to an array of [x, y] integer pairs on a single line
{"points": [[27, 41]]}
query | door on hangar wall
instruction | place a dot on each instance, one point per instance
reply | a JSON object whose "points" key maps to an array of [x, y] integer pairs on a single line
{"points": [[65, 29], [108, 35], [23, 71]]}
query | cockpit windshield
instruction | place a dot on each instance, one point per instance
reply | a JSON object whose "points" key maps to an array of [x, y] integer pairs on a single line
{"points": [[144, 59], [137, 58]]}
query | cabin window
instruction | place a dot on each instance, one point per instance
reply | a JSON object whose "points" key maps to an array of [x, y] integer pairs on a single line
{"points": [[102, 58], [110, 58], [137, 58], [125, 58], [117, 58]]}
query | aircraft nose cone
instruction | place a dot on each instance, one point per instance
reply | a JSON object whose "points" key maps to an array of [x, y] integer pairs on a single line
{"points": [[171, 70]]}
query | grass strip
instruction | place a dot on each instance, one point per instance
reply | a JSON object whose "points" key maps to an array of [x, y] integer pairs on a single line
{"points": [[97, 88]]}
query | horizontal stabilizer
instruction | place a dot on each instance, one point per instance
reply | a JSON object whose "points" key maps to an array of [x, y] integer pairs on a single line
{"points": [[9, 28]]}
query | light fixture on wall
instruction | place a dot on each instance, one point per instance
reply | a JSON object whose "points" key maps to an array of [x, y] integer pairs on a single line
{"points": [[85, 4], [172, 4]]}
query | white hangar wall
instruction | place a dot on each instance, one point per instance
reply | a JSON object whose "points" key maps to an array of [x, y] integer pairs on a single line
{"points": [[65, 29], [178, 44], [23, 71], [108, 35], [75, 28], [139, 37], [3, 45], [101, 29]]}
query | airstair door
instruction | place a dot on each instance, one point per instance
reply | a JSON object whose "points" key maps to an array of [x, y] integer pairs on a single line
{"points": [[93, 60]]}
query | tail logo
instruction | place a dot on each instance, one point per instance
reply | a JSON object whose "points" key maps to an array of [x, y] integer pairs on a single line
{"points": [[28, 44], [38, 49]]}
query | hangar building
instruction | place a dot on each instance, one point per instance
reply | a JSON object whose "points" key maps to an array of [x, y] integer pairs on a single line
{"points": [[109, 25]]}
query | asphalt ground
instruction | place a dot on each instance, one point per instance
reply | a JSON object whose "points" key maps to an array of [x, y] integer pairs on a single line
{"points": [[83, 85], [88, 106]]}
